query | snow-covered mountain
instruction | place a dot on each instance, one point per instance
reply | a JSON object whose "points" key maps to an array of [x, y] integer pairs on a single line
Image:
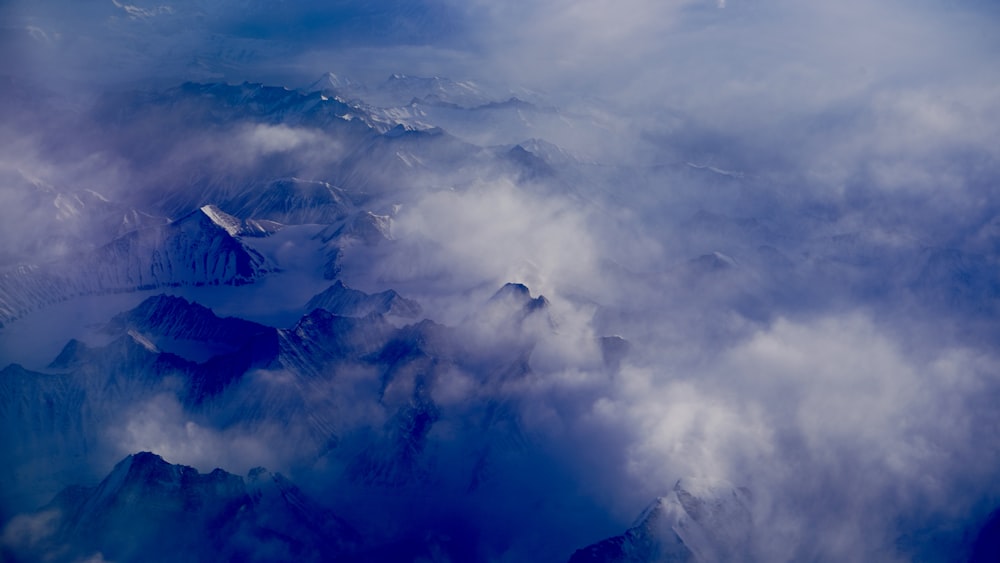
{"points": [[41, 222], [201, 248], [221, 103], [399, 89], [699, 520]]}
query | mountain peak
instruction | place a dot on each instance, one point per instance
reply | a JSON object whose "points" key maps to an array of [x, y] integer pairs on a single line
{"points": [[699, 519], [513, 288], [518, 294], [141, 460], [70, 354], [345, 301], [331, 81], [145, 470], [614, 349]]}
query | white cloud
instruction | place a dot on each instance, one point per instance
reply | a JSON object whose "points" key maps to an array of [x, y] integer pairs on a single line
{"points": [[27, 531], [262, 140], [844, 117], [804, 411], [162, 425], [496, 232], [136, 12]]}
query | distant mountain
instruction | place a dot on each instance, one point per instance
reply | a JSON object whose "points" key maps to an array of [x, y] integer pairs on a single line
{"points": [[218, 102], [511, 306], [461, 108], [229, 144], [336, 85], [399, 89], [292, 201], [41, 222], [201, 248], [403, 156], [342, 300], [485, 124], [365, 226]]}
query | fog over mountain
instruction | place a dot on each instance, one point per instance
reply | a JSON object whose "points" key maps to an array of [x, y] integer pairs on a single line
{"points": [[687, 280]]}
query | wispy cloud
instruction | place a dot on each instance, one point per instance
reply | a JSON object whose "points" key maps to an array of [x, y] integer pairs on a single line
{"points": [[136, 12]]}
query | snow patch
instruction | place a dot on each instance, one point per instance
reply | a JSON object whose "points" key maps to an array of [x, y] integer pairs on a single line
{"points": [[231, 224], [143, 341]]}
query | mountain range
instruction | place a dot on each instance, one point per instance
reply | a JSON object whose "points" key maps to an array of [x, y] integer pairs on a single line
{"points": [[294, 290]]}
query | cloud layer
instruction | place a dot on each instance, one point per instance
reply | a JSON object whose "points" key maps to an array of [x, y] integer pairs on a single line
{"points": [[789, 210]]}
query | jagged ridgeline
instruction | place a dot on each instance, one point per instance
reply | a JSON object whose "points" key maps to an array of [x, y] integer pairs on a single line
{"points": [[299, 389], [191, 217], [148, 509]]}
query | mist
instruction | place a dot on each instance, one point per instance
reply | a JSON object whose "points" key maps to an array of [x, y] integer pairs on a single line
{"points": [[788, 211]]}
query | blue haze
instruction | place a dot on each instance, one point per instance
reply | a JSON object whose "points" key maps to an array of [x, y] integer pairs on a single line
{"points": [[767, 234]]}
